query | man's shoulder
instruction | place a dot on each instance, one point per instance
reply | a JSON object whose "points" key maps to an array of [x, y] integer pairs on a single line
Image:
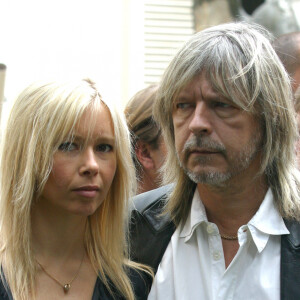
{"points": [[145, 200], [294, 228], [290, 261]]}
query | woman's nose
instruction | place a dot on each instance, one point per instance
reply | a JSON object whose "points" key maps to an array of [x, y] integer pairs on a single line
{"points": [[89, 164]]}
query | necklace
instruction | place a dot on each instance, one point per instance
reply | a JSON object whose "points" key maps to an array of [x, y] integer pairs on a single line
{"points": [[229, 237], [66, 287]]}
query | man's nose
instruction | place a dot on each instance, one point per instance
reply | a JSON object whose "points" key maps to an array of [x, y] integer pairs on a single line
{"points": [[201, 120], [89, 164]]}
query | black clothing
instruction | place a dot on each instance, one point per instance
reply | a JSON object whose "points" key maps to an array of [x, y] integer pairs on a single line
{"points": [[137, 279]]}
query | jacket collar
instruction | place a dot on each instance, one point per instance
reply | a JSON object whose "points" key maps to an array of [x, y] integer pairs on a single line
{"points": [[290, 262], [294, 236]]}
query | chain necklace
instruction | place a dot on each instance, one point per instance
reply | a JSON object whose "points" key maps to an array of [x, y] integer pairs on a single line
{"points": [[229, 237], [66, 287]]}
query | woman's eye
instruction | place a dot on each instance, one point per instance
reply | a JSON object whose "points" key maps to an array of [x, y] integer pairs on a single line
{"points": [[67, 146], [104, 148]]}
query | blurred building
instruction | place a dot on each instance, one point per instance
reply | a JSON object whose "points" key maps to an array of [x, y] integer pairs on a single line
{"points": [[278, 16]]}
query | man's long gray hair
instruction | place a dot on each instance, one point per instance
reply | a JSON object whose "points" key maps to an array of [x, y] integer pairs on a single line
{"points": [[242, 66]]}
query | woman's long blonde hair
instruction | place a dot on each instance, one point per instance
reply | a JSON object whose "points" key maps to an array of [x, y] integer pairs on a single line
{"points": [[41, 118]]}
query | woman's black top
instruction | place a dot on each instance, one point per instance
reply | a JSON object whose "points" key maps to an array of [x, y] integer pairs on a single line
{"points": [[138, 279]]}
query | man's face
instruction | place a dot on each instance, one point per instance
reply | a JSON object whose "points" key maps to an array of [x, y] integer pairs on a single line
{"points": [[215, 140]]}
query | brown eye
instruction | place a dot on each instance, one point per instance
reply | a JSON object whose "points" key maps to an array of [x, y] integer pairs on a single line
{"points": [[104, 148]]}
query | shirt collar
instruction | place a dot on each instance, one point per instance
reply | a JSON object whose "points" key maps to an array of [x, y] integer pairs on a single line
{"points": [[196, 216], [260, 226], [267, 221]]}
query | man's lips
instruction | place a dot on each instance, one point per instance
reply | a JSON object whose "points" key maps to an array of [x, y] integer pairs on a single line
{"points": [[203, 151], [89, 191]]}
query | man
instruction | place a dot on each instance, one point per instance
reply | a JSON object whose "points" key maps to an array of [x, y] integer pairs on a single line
{"points": [[227, 227], [287, 47]]}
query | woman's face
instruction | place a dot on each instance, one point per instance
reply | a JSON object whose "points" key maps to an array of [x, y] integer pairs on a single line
{"points": [[84, 168]]}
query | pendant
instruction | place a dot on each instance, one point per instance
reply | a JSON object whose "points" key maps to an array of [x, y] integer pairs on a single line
{"points": [[66, 288]]}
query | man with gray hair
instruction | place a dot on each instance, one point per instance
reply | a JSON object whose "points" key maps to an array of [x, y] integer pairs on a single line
{"points": [[227, 225]]}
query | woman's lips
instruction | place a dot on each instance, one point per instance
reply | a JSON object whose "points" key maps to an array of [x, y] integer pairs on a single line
{"points": [[87, 191]]}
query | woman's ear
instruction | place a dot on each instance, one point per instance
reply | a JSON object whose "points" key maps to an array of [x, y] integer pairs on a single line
{"points": [[143, 154]]}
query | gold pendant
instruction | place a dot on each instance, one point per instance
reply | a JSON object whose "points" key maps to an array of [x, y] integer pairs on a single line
{"points": [[66, 288]]}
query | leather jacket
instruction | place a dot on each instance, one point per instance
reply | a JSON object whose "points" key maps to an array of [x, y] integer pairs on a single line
{"points": [[151, 232]]}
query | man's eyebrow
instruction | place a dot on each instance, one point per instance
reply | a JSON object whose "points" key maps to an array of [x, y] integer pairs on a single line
{"points": [[181, 98], [184, 95]]}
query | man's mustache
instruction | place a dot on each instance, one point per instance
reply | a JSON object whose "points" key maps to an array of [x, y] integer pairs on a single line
{"points": [[202, 143]]}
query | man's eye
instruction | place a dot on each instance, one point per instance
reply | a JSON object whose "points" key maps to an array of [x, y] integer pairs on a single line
{"points": [[222, 105], [67, 146], [183, 105], [104, 148], [224, 109]]}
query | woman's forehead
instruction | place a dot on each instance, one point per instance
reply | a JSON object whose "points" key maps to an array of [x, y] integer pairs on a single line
{"points": [[94, 123]]}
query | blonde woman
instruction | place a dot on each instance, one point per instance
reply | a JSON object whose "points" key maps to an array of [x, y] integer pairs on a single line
{"points": [[65, 180]]}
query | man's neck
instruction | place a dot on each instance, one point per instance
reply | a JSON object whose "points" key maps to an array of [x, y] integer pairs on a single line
{"points": [[233, 205]]}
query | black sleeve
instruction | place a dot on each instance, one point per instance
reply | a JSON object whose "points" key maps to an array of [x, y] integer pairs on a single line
{"points": [[5, 293], [141, 283]]}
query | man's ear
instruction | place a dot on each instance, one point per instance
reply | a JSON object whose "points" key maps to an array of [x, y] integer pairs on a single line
{"points": [[143, 154]]}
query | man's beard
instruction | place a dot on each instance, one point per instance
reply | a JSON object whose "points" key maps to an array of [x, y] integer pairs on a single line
{"points": [[237, 161]]}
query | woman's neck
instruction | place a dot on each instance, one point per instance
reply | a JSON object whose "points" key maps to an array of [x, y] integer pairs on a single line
{"points": [[57, 234]]}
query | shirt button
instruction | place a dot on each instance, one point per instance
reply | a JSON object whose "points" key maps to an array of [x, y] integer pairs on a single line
{"points": [[217, 255], [210, 228]]}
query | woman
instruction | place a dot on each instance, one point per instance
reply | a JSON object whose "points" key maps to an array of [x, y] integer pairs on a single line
{"points": [[65, 180], [148, 143]]}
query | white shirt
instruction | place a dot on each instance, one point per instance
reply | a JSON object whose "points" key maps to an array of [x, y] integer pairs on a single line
{"points": [[193, 266]]}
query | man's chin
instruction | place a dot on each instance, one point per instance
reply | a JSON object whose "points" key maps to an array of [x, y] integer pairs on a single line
{"points": [[208, 177]]}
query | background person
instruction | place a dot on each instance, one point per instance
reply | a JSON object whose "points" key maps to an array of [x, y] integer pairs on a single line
{"points": [[147, 140], [287, 47], [228, 225], [65, 180], [297, 108]]}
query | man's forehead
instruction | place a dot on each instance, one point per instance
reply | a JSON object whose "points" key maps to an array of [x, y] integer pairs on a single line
{"points": [[199, 83]]}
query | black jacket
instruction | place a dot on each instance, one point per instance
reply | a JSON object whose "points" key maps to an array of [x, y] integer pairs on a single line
{"points": [[151, 233]]}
